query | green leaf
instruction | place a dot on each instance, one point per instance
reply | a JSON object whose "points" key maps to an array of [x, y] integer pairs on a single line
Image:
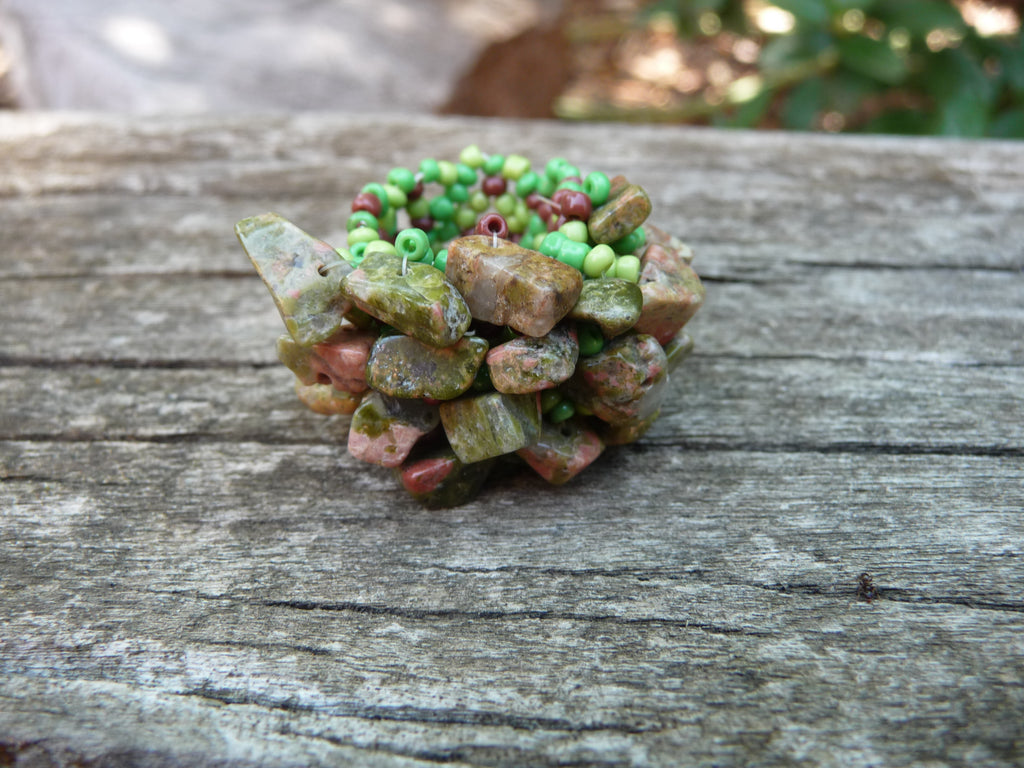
{"points": [[965, 114], [803, 104], [812, 12], [901, 121], [1011, 59], [748, 115], [1008, 125], [919, 17], [779, 53], [872, 58]]}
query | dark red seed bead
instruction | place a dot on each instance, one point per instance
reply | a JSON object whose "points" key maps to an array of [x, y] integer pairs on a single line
{"points": [[545, 211], [367, 201], [575, 179], [533, 200], [556, 223], [492, 224], [493, 186], [417, 191], [425, 223], [558, 198], [576, 205]]}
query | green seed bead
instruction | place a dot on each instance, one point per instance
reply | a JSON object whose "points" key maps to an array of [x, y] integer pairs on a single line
{"points": [[447, 174], [447, 231], [568, 170], [441, 260], [505, 204], [430, 169], [441, 208], [467, 175], [590, 339], [516, 224], [494, 164], [522, 210], [630, 242], [402, 178], [546, 186], [362, 235], [575, 230], [628, 268], [380, 246], [472, 156], [552, 244], [527, 183], [357, 253], [396, 197], [381, 194], [597, 262], [479, 202], [573, 253], [465, 217], [346, 254], [418, 208], [564, 410], [610, 272], [514, 167], [574, 185], [457, 193], [597, 186], [535, 225], [389, 221], [553, 168], [362, 219], [549, 398], [413, 244]]}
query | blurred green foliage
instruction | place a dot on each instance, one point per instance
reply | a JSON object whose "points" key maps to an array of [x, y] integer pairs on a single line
{"points": [[884, 66]]}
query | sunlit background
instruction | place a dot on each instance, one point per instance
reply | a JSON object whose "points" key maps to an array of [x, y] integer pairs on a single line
{"points": [[947, 67]]}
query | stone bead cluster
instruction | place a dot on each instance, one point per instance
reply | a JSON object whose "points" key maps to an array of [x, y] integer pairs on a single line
{"points": [[482, 310]]}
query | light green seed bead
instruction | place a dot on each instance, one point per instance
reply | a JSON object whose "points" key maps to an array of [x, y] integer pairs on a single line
{"points": [[575, 230], [346, 254], [514, 167], [389, 221], [516, 224], [600, 258], [505, 204], [419, 208], [628, 268], [380, 246], [522, 210], [362, 235], [472, 156], [465, 217], [396, 197], [479, 202], [610, 272], [448, 174]]}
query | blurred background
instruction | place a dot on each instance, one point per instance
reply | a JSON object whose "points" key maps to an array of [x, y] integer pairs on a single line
{"points": [[941, 67]]}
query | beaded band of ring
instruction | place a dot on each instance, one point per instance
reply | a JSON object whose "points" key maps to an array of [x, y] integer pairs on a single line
{"points": [[515, 312]]}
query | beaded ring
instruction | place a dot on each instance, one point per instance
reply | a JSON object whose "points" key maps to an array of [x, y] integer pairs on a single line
{"points": [[482, 309]]}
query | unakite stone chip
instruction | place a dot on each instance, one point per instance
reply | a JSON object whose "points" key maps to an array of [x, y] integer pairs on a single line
{"points": [[628, 207], [419, 302], [486, 426], [438, 479], [339, 361], [613, 305], [672, 293], [528, 364], [678, 349], [625, 382], [402, 366], [292, 264], [325, 399], [562, 451], [505, 284], [384, 429]]}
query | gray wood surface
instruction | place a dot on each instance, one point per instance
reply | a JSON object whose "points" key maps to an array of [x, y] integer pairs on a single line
{"points": [[193, 570]]}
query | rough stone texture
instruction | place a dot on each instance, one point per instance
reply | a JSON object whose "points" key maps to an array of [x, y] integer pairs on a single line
{"points": [[414, 298], [291, 264], [625, 382], [613, 305], [562, 451], [193, 571], [672, 293], [402, 366], [509, 285], [325, 399], [340, 361], [438, 480], [490, 425], [385, 429], [528, 364]]}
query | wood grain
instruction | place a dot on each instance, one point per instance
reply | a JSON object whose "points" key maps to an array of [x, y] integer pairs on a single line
{"points": [[194, 571]]}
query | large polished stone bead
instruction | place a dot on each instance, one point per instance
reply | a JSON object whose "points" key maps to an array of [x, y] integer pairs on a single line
{"points": [[527, 364], [326, 400], [625, 382], [420, 302], [402, 366], [627, 207], [613, 305], [490, 425], [505, 284], [678, 349], [438, 479], [672, 293], [562, 451], [339, 361], [291, 264], [624, 434], [384, 429]]}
